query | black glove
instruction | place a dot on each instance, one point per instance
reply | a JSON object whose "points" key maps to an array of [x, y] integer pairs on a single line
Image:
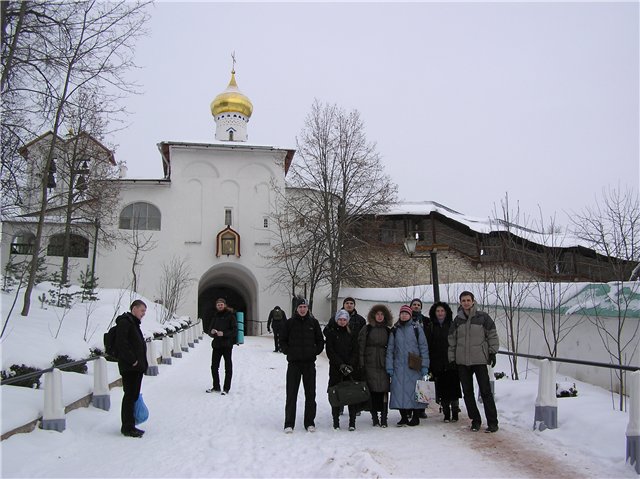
{"points": [[345, 369], [492, 360], [453, 365], [268, 330]]}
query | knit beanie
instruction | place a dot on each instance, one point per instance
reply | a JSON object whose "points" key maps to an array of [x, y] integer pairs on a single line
{"points": [[348, 298], [405, 309], [416, 300], [342, 314]]}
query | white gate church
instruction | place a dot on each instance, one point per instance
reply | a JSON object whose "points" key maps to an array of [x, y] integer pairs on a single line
{"points": [[211, 210]]}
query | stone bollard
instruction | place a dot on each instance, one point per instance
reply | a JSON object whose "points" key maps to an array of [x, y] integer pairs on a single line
{"points": [[196, 333], [184, 344], [101, 396], [546, 413], [166, 350], [191, 337], [633, 428], [53, 417], [152, 359], [200, 330], [177, 352]]}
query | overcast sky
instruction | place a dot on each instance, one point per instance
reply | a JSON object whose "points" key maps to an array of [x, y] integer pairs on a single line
{"points": [[465, 101]]}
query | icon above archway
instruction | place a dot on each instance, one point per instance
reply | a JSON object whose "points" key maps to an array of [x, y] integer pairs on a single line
{"points": [[228, 242]]}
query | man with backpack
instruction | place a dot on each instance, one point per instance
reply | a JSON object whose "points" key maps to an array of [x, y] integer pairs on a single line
{"points": [[275, 321], [131, 350]]}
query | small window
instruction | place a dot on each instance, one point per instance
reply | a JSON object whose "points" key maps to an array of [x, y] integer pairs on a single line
{"points": [[140, 216], [78, 246], [23, 243], [265, 222], [227, 217]]}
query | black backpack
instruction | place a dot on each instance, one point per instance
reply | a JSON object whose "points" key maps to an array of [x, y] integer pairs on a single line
{"points": [[110, 343], [277, 315]]}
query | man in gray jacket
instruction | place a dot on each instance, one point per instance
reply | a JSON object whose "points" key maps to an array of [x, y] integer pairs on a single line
{"points": [[473, 343]]}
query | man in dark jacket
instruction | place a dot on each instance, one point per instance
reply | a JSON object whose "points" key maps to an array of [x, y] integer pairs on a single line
{"points": [[416, 312], [132, 363], [275, 321], [301, 340], [356, 322], [473, 343], [223, 328]]}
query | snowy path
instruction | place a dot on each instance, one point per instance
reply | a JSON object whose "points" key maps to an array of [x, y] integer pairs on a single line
{"points": [[193, 434]]}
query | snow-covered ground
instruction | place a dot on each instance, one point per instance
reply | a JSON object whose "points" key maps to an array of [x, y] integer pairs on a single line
{"points": [[194, 434]]}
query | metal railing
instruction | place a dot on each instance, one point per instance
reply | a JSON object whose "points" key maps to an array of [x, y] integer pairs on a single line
{"points": [[40, 372], [572, 361]]}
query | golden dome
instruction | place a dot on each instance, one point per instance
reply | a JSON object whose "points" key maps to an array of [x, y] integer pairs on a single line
{"points": [[231, 100]]}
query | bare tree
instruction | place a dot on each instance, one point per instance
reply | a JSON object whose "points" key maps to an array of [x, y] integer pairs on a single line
{"points": [[85, 164], [612, 227], [551, 290], [175, 278], [509, 276], [138, 244], [87, 49], [296, 255], [341, 174]]}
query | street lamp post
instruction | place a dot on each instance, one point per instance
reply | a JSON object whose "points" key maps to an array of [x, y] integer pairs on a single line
{"points": [[410, 247]]}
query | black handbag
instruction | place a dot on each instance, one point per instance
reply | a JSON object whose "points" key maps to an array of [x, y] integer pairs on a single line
{"points": [[347, 393]]}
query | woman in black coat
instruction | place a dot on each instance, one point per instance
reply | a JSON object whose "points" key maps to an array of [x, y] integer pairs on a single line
{"points": [[446, 377], [372, 348], [342, 351]]}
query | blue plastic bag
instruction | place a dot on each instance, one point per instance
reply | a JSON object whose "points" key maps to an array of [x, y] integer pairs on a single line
{"points": [[140, 411]]}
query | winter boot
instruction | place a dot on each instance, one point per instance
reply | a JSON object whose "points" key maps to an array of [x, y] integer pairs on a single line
{"points": [[352, 422], [404, 418], [446, 409], [383, 419], [374, 418], [336, 422], [415, 418]]}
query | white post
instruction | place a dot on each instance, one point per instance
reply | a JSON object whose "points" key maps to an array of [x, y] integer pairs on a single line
{"points": [[53, 417], [191, 337], [546, 412], [184, 345], [152, 359], [101, 397], [177, 352], [200, 330], [166, 350], [196, 332], [633, 428]]}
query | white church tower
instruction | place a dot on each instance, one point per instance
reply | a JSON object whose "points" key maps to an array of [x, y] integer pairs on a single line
{"points": [[231, 110]]}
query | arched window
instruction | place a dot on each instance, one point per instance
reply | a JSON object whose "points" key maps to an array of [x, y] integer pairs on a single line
{"points": [[140, 216], [78, 246], [23, 243]]}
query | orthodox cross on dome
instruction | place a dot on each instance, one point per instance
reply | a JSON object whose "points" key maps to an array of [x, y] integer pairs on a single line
{"points": [[233, 59]]}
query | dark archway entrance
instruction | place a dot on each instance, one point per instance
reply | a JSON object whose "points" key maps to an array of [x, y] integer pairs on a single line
{"points": [[237, 285], [207, 300]]}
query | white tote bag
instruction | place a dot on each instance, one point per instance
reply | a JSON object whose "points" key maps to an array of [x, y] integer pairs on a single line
{"points": [[425, 391]]}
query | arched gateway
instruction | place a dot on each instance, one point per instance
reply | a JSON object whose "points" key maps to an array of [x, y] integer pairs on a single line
{"points": [[238, 286]]}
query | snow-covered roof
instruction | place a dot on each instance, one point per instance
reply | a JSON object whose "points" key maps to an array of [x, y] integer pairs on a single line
{"points": [[484, 225]]}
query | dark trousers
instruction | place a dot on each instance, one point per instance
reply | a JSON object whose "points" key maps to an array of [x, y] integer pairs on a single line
{"points": [[482, 377], [295, 372], [276, 340], [131, 384], [216, 355]]}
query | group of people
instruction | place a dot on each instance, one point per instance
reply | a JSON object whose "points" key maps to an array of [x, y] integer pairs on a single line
{"points": [[391, 358]]}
